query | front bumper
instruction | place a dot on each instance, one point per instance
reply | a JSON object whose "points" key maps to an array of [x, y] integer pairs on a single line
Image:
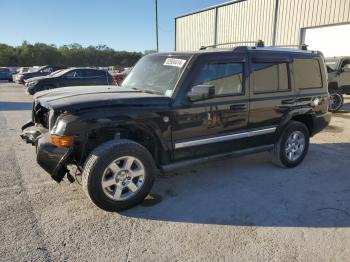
{"points": [[320, 122], [51, 158]]}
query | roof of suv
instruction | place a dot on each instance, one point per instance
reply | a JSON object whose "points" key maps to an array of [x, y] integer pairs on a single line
{"points": [[240, 49]]}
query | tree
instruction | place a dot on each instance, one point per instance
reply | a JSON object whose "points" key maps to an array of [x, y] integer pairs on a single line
{"points": [[66, 55]]}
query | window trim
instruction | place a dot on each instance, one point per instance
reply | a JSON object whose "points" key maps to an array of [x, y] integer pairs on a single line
{"points": [[224, 61], [272, 91]]}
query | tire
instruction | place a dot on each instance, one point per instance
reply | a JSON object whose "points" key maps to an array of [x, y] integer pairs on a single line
{"points": [[336, 102], [10, 80], [109, 161], [280, 156]]}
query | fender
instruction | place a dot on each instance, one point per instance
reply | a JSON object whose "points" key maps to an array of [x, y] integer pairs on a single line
{"points": [[294, 112], [113, 123]]}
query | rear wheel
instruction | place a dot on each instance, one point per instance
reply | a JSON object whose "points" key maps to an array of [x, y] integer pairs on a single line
{"points": [[118, 175], [292, 146], [336, 102]]}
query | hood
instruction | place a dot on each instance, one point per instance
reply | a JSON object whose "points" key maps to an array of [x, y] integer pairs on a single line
{"points": [[86, 97]]}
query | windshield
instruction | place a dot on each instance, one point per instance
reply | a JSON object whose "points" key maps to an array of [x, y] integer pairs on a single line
{"points": [[332, 63], [156, 74]]}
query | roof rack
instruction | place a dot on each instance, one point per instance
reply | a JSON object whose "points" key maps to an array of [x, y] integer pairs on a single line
{"points": [[259, 43], [302, 47]]}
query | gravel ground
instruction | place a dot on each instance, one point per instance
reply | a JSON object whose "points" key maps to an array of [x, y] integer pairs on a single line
{"points": [[239, 209]]}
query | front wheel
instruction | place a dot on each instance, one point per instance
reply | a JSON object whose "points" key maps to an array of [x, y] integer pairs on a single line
{"points": [[118, 174], [292, 146], [336, 101]]}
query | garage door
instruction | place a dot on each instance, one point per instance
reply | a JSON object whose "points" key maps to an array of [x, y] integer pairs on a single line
{"points": [[331, 40]]}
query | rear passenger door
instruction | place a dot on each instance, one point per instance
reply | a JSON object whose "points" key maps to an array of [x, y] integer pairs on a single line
{"points": [[271, 95], [95, 77]]}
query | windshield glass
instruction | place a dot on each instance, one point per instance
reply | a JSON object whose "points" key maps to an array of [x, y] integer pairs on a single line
{"points": [[332, 63], [156, 74]]}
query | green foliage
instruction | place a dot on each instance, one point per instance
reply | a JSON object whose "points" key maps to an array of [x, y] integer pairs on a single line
{"points": [[67, 55]]}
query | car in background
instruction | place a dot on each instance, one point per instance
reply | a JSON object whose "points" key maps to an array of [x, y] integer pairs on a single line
{"points": [[42, 71], [22, 70], [37, 78], [70, 77], [119, 77], [5, 74], [338, 81]]}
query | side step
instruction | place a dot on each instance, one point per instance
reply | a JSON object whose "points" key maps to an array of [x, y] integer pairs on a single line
{"points": [[184, 163]]}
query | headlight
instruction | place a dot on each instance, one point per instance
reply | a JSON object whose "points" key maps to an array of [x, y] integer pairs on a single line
{"points": [[33, 83], [59, 128]]}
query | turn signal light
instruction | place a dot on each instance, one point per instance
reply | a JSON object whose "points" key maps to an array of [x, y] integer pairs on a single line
{"points": [[62, 141]]}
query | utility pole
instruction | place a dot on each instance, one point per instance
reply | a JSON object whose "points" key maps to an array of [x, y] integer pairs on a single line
{"points": [[156, 3]]}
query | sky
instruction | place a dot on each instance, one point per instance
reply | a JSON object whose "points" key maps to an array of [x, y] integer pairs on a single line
{"points": [[120, 24]]}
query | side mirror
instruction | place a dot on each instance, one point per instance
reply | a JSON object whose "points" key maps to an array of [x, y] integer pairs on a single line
{"points": [[201, 92]]}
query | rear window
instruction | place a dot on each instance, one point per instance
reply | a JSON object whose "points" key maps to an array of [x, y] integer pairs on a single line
{"points": [[307, 73], [4, 70], [270, 77]]}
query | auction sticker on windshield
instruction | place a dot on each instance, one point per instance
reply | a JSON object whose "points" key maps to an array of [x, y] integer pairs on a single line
{"points": [[174, 62]]}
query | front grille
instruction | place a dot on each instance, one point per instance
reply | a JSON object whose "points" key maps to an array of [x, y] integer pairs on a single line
{"points": [[41, 115]]}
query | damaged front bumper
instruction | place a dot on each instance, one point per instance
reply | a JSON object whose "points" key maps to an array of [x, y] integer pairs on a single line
{"points": [[51, 158]]}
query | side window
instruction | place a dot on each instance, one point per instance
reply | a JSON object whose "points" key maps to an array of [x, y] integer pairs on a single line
{"points": [[270, 77], [307, 73], [225, 77], [73, 74]]}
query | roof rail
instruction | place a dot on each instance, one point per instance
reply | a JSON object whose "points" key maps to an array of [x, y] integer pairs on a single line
{"points": [[302, 47], [259, 43]]}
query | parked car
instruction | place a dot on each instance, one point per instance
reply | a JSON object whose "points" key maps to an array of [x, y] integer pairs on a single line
{"points": [[69, 77], [177, 109], [33, 79], [338, 80], [119, 77], [42, 71], [22, 70], [5, 74]]}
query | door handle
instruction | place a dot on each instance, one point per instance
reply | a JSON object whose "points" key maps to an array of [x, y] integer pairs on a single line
{"points": [[239, 107], [288, 101]]}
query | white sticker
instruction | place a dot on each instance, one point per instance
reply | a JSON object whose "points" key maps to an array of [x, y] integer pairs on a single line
{"points": [[174, 62], [168, 93]]}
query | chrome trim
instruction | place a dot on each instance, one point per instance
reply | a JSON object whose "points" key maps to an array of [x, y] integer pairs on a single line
{"points": [[204, 141]]}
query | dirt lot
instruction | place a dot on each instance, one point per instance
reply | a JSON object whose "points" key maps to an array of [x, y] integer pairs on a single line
{"points": [[239, 209]]}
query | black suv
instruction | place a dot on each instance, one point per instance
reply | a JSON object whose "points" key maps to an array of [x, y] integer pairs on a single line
{"points": [[69, 77], [339, 81], [177, 109]]}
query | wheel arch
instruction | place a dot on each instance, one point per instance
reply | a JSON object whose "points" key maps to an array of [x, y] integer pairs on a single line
{"points": [[304, 115], [142, 134]]}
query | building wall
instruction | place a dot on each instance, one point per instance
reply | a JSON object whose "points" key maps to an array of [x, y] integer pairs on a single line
{"points": [[255, 19]]}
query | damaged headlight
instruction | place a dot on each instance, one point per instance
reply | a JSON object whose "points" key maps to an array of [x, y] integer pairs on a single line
{"points": [[59, 128]]}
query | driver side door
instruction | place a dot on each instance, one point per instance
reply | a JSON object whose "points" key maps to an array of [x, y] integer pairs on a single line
{"points": [[213, 125]]}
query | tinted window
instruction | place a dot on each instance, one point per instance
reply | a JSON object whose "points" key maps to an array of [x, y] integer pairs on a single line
{"points": [[270, 77], [225, 77], [95, 73], [307, 73], [73, 74]]}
